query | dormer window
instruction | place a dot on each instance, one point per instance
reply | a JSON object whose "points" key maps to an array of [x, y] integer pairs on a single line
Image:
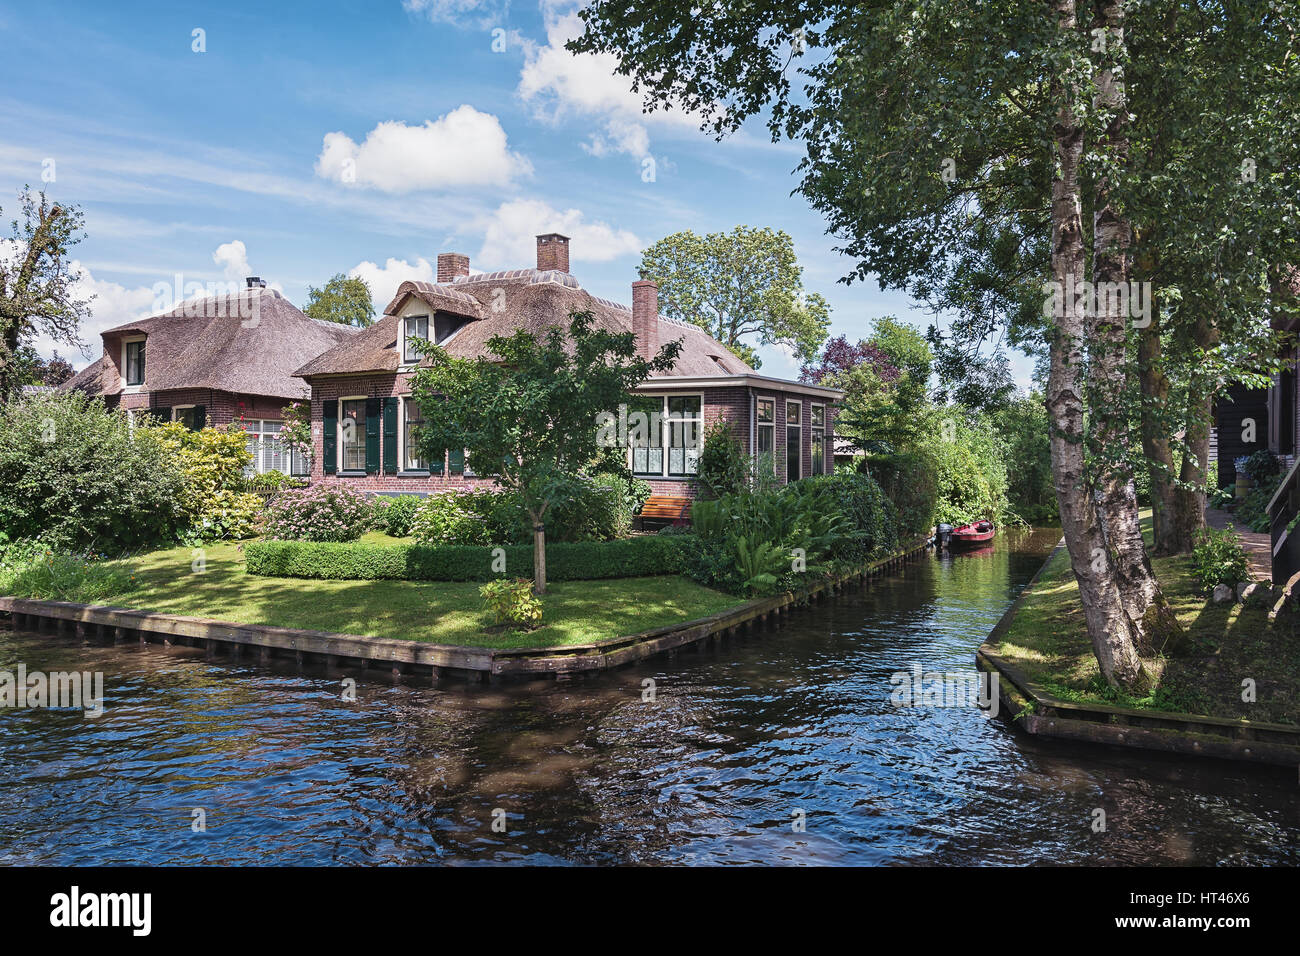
{"points": [[133, 362], [414, 327]]}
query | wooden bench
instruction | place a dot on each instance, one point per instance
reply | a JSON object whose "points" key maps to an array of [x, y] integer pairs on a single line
{"points": [[667, 509]]}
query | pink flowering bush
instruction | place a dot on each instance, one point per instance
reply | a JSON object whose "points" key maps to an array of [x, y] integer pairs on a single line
{"points": [[322, 513]]}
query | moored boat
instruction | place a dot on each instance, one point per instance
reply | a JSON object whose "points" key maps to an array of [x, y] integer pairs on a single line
{"points": [[972, 534]]}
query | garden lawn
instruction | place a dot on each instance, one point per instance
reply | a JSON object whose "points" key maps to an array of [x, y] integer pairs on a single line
{"points": [[576, 612], [1227, 643]]}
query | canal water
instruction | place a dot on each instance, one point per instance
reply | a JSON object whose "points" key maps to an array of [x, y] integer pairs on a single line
{"points": [[780, 747]]}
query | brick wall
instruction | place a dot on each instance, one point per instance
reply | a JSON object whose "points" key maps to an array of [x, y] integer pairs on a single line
{"points": [[731, 403]]}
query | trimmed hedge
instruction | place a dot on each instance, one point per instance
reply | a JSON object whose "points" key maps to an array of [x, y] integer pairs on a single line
{"points": [[571, 561]]}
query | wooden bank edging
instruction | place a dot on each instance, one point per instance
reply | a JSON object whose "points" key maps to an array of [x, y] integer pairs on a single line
{"points": [[1037, 711], [116, 624]]}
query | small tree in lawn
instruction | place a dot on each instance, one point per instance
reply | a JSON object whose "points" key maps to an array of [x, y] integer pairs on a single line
{"points": [[533, 406]]}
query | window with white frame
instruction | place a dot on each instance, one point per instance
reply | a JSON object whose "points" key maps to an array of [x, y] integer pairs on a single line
{"points": [[793, 441], [414, 328], [133, 361], [412, 418], [667, 442], [819, 439], [352, 434], [765, 433], [269, 453]]}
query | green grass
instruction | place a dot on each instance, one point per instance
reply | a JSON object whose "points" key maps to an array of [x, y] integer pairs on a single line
{"points": [[576, 612], [1227, 643]]}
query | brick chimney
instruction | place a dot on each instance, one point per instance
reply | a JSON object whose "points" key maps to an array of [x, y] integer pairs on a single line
{"points": [[451, 265], [254, 282], [645, 317], [552, 252]]}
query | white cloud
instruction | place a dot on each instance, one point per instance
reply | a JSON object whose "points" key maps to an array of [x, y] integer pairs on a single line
{"points": [[384, 280], [509, 235], [559, 84], [233, 259], [620, 136], [463, 148], [457, 12]]}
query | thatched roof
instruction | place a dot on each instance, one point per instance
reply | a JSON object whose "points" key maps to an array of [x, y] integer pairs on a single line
{"points": [[250, 342], [499, 303]]}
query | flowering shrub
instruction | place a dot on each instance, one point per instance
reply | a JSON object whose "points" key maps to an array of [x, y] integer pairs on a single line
{"points": [[323, 513], [512, 603]]}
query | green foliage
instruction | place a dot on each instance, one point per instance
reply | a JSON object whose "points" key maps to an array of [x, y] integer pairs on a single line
{"points": [[346, 300], [870, 529], [457, 517], [576, 561], [741, 287], [1031, 494], [48, 575], [213, 499], [80, 477], [764, 542], [910, 481], [1219, 558], [971, 470], [724, 467], [396, 514], [512, 603], [273, 481]]}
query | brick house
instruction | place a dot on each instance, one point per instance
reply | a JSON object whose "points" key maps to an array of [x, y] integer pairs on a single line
{"points": [[217, 360], [363, 417]]}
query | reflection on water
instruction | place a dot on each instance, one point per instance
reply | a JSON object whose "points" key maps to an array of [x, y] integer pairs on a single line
{"points": [[739, 743]]}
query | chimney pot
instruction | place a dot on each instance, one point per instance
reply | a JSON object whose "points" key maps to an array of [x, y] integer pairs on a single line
{"points": [[552, 252], [645, 317], [452, 265], [255, 282]]}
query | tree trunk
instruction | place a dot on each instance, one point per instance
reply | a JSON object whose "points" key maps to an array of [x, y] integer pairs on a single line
{"points": [[539, 554], [1189, 510], [1156, 446], [1112, 632], [1153, 621]]}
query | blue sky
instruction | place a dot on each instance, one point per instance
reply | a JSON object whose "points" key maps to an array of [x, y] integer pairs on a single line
{"points": [[313, 138]]}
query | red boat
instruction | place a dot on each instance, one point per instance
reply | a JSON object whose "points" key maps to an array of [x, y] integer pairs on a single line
{"points": [[970, 535]]}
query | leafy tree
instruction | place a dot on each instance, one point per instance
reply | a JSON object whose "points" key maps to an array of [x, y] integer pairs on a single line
{"points": [[968, 153], [76, 475], [740, 287], [38, 293], [35, 370], [885, 379], [346, 300], [534, 406]]}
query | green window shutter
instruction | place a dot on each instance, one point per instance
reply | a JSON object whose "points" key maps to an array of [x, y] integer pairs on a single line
{"points": [[330, 451], [200, 418], [390, 436], [457, 464], [164, 413], [435, 466], [373, 411]]}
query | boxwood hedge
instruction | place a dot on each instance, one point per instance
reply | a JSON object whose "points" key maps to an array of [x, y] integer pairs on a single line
{"points": [[569, 561]]}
